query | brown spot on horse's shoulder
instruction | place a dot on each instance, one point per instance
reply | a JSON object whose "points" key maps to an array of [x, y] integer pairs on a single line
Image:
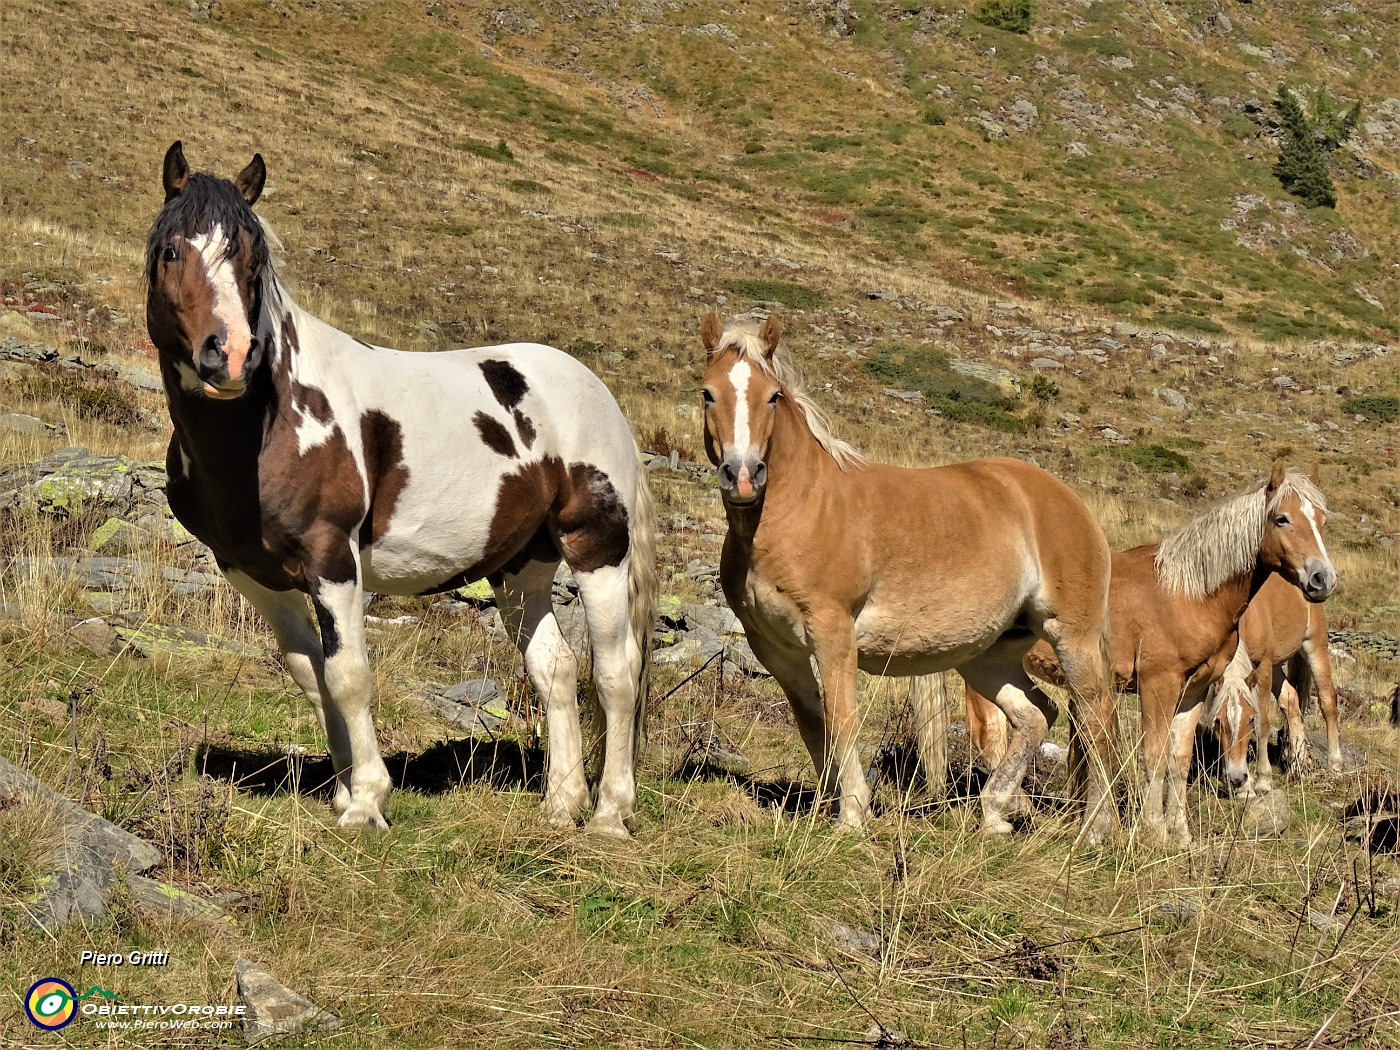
{"points": [[592, 520], [494, 434], [381, 438], [506, 383]]}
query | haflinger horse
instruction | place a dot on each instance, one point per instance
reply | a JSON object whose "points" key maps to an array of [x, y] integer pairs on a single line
{"points": [[1282, 651], [1174, 610], [314, 464], [853, 565]]}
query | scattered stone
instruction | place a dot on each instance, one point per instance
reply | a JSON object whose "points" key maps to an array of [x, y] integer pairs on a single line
{"points": [[19, 423], [851, 939], [93, 860], [115, 536], [97, 636], [1003, 379], [1176, 911], [1266, 816], [903, 395], [1046, 364], [274, 1009], [1171, 398]]}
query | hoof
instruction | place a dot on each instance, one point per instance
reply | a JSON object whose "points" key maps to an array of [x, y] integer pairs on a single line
{"points": [[608, 829], [558, 812], [995, 828], [363, 816]]}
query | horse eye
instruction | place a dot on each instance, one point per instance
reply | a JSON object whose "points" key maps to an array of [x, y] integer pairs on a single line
{"points": [[774, 399], [1281, 520], [170, 254], [709, 397]]}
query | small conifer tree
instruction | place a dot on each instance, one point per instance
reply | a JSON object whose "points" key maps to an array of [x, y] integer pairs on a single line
{"points": [[1301, 167]]}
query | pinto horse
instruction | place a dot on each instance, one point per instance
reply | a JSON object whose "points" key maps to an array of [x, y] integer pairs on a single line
{"points": [[314, 464], [1175, 608], [1282, 651], [895, 571]]}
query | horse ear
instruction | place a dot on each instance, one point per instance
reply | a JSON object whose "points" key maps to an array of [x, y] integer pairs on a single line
{"points": [[251, 179], [769, 335], [1315, 472], [710, 331], [1277, 474], [175, 173]]}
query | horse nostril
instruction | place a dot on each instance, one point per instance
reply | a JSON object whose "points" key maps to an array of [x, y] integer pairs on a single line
{"points": [[760, 473], [726, 473]]}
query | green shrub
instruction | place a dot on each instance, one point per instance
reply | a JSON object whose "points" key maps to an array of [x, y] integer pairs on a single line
{"points": [[1043, 389], [1301, 167], [1381, 408], [1012, 16]]}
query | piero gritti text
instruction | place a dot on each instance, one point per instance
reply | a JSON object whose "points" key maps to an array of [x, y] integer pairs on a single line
{"points": [[90, 958]]}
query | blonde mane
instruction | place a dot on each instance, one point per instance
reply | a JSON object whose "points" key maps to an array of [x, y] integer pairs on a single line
{"points": [[781, 368], [1224, 541]]}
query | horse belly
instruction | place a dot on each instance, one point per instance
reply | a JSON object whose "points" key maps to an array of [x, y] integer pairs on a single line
{"points": [[437, 536], [895, 641]]}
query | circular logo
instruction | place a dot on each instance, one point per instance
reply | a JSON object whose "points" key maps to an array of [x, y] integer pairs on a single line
{"points": [[51, 1003]]}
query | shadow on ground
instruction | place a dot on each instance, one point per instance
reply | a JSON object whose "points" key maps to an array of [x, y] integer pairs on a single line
{"points": [[443, 767]]}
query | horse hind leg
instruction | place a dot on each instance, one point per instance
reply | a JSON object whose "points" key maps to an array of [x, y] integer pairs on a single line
{"points": [[998, 674], [988, 729], [1087, 672], [525, 600]]}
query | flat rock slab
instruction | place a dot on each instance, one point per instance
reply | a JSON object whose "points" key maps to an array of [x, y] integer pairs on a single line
{"points": [[155, 639], [274, 1010], [86, 863]]}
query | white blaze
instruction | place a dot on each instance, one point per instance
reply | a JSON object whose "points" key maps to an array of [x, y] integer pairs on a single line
{"points": [[739, 376], [1309, 512], [228, 303]]}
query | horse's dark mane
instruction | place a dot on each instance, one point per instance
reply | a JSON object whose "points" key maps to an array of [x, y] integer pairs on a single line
{"points": [[205, 202]]}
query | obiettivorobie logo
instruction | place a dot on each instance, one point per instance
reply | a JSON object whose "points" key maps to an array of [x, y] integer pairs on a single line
{"points": [[52, 1004]]}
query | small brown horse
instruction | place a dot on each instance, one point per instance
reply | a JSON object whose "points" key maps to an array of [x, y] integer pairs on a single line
{"points": [[1283, 649], [1175, 608], [899, 571]]}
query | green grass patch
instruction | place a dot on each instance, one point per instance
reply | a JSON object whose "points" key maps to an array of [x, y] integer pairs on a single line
{"points": [[1115, 293], [930, 372], [796, 296], [1157, 459], [1183, 322]]}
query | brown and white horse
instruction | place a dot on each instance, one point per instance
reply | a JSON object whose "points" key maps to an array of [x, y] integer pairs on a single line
{"points": [[1175, 608], [1282, 651], [896, 571], [315, 464]]}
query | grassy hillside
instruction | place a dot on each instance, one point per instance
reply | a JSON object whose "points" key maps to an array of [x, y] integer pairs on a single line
{"points": [[1083, 215]]}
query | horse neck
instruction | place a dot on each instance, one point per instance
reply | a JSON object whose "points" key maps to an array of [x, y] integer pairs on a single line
{"points": [[1233, 596], [799, 468]]}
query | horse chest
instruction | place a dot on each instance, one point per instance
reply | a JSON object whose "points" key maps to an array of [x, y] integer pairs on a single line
{"points": [[765, 607]]}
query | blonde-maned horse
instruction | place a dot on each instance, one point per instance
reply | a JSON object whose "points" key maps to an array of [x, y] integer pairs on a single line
{"points": [[1175, 608], [1282, 651], [897, 571]]}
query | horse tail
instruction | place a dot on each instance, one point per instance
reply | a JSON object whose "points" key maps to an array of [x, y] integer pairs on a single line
{"points": [[642, 585]]}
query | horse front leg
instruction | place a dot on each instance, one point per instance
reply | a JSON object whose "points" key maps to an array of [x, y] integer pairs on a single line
{"points": [[338, 599], [1318, 663], [287, 613], [1182, 746], [1263, 696], [837, 660], [1158, 699]]}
